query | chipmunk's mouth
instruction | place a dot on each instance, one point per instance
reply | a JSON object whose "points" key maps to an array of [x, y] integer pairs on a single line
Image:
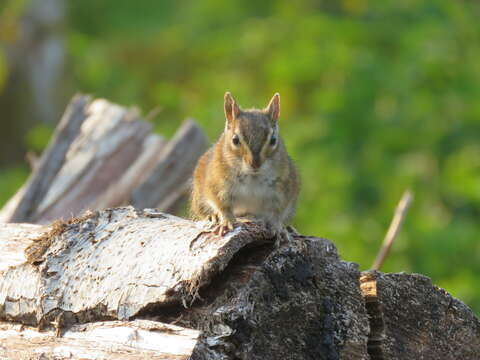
{"points": [[250, 168], [255, 165], [253, 171]]}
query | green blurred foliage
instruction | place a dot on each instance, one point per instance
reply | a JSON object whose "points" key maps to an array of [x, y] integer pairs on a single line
{"points": [[37, 138], [10, 180], [377, 97], [3, 70]]}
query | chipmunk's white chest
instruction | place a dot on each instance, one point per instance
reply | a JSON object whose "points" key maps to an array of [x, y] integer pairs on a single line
{"points": [[254, 195]]}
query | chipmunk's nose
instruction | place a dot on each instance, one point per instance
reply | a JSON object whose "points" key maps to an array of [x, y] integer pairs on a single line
{"points": [[255, 163]]}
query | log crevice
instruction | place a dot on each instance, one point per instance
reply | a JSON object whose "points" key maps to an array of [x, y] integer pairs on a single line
{"points": [[237, 272], [412, 318], [376, 336]]}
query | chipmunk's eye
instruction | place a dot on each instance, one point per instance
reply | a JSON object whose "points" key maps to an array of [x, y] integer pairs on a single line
{"points": [[235, 140], [273, 140]]}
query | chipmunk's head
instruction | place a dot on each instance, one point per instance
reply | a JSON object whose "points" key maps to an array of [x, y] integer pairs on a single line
{"points": [[251, 136]]}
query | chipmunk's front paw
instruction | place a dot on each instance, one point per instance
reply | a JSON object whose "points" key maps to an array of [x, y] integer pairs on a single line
{"points": [[220, 226], [282, 236], [213, 220], [223, 228]]}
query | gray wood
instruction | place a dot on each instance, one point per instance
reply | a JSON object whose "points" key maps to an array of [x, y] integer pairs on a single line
{"points": [[113, 340], [174, 169], [119, 192], [110, 141], [102, 155], [50, 163], [414, 319], [114, 264]]}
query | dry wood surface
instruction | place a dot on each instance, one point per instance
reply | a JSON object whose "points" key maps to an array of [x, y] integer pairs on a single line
{"points": [[113, 340], [104, 155], [246, 297]]}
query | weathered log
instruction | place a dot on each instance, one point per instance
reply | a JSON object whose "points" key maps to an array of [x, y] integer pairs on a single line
{"points": [[414, 319], [25, 204], [120, 191], [103, 155], [140, 339], [121, 263], [92, 148], [110, 141], [170, 179], [113, 264], [14, 240], [298, 301], [249, 298]]}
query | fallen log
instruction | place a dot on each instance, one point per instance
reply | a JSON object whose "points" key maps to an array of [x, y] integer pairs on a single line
{"points": [[124, 263], [22, 206], [296, 302], [111, 140], [248, 298], [93, 146], [113, 340], [119, 192], [103, 155], [113, 264]]}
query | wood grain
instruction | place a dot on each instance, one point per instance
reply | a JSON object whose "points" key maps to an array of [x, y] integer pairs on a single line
{"points": [[24, 205], [170, 178], [132, 340]]}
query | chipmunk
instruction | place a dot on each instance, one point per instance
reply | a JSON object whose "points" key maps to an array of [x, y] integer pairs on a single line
{"points": [[247, 175]]}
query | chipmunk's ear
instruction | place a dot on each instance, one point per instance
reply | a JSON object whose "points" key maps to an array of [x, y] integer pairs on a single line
{"points": [[273, 108], [232, 110]]}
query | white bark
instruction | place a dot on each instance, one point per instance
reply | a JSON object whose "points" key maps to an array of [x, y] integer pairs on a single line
{"points": [[140, 339], [111, 265]]}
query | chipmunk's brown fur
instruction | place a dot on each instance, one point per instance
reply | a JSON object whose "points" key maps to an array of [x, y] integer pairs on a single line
{"points": [[247, 174]]}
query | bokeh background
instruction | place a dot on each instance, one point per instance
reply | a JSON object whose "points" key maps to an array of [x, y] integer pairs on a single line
{"points": [[377, 97]]}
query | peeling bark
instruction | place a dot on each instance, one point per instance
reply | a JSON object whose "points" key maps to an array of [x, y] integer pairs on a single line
{"points": [[245, 297], [295, 302], [114, 264]]}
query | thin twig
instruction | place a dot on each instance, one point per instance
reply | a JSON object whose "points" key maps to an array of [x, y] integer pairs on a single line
{"points": [[394, 229], [32, 159], [153, 113]]}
